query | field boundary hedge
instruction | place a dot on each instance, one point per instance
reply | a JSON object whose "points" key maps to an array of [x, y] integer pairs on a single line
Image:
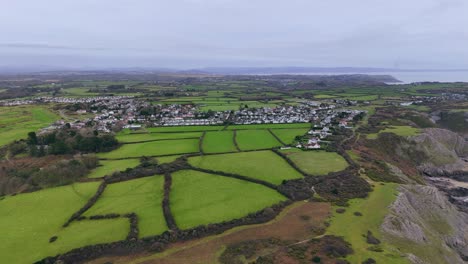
{"points": [[89, 204], [277, 138], [234, 140], [160, 242], [241, 177], [166, 205], [291, 163], [200, 142]]}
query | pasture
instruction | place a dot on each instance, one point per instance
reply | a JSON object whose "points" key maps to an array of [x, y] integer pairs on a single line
{"points": [[262, 165], [218, 141], [256, 139], [373, 209], [403, 131], [17, 121], [29, 220], [287, 136], [184, 128], [167, 159], [199, 198], [316, 162], [266, 126], [139, 137], [153, 148], [107, 167], [141, 196]]}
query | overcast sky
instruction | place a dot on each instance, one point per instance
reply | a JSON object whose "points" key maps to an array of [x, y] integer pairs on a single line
{"points": [[205, 33]]}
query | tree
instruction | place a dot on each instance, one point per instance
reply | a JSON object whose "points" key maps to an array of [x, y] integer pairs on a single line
{"points": [[32, 138]]}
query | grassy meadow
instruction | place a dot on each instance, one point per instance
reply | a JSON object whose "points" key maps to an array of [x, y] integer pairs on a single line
{"points": [[29, 220], [403, 131], [107, 167], [199, 198], [256, 139], [141, 196], [17, 121], [373, 209], [287, 135], [153, 148], [316, 162], [138, 137], [262, 165], [218, 141], [184, 129]]}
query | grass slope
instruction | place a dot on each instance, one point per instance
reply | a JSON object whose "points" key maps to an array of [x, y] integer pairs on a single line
{"points": [[154, 148], [316, 162], [403, 131], [352, 228], [17, 121], [256, 139], [107, 167], [199, 198], [219, 141], [263, 165], [29, 220], [141, 196]]}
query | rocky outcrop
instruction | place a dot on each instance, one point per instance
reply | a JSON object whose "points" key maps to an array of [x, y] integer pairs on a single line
{"points": [[446, 152], [422, 217]]}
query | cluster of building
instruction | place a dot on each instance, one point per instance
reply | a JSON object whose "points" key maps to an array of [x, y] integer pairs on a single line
{"points": [[276, 115], [65, 100]]}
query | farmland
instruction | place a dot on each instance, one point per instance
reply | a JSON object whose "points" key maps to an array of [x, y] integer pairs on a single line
{"points": [[199, 198], [189, 191], [35, 217], [316, 162], [262, 165], [219, 141], [154, 148], [16, 122], [140, 137], [287, 135], [108, 167], [256, 139], [184, 129], [140, 196]]}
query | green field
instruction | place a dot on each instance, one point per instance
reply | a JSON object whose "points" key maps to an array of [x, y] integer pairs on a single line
{"points": [[141, 196], [29, 220], [78, 91], [198, 198], [316, 162], [256, 139], [184, 128], [266, 126], [138, 137], [403, 131], [352, 228], [107, 167], [262, 165], [17, 121], [167, 159], [288, 135], [153, 148], [219, 141]]}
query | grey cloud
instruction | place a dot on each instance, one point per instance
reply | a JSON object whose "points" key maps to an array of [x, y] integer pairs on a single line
{"points": [[188, 33]]}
